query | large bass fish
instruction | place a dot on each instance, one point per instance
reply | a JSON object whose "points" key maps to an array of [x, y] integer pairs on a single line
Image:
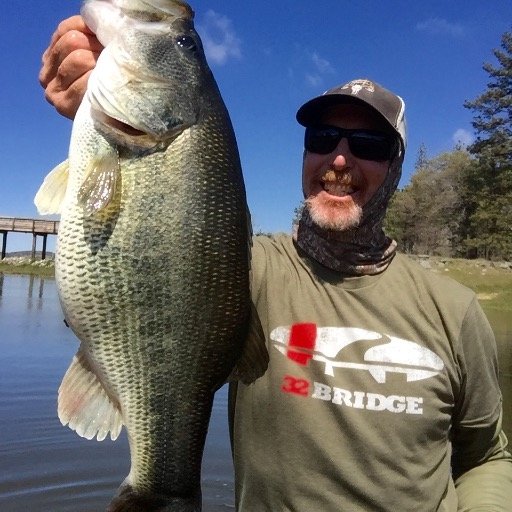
{"points": [[152, 257]]}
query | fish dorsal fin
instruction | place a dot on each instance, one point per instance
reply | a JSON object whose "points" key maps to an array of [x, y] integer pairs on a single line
{"points": [[100, 182], [84, 404], [253, 362], [51, 193]]}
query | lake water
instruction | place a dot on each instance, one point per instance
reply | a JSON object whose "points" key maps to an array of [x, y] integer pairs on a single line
{"points": [[46, 467]]}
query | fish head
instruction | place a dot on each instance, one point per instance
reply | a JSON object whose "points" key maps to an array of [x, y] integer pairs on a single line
{"points": [[150, 81], [106, 17]]}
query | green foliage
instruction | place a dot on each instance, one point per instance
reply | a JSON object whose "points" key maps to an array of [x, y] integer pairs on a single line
{"points": [[422, 158], [493, 110], [425, 216], [488, 191], [297, 213]]}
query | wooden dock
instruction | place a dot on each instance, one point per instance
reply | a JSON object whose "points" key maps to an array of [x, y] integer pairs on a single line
{"points": [[38, 227]]}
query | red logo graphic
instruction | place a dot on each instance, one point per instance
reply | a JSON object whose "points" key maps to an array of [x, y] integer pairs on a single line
{"points": [[295, 386], [301, 346], [301, 343]]}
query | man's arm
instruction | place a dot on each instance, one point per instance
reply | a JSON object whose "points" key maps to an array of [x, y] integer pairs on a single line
{"points": [[483, 477], [481, 464], [67, 64]]}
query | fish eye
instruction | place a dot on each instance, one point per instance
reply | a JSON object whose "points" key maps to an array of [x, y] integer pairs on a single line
{"points": [[187, 43]]}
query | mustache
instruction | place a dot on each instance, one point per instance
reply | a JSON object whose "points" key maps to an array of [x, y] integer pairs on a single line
{"points": [[345, 178]]}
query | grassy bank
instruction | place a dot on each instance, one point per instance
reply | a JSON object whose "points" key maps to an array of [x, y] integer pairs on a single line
{"points": [[492, 282], [23, 265]]}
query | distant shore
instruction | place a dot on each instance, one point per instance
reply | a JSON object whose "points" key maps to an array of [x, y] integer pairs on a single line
{"points": [[491, 281], [24, 266]]}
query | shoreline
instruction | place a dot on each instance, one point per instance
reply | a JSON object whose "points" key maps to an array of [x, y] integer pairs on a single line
{"points": [[491, 281], [22, 265]]}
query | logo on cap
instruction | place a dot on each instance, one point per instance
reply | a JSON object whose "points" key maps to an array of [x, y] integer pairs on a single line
{"points": [[358, 85]]}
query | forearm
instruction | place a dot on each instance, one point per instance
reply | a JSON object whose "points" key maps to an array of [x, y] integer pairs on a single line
{"points": [[487, 486], [481, 461]]}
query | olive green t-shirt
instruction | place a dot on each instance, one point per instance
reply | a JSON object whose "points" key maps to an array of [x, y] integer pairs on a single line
{"points": [[370, 379]]}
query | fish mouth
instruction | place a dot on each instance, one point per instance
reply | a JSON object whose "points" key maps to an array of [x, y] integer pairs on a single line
{"points": [[127, 135], [116, 125], [123, 127], [123, 133]]}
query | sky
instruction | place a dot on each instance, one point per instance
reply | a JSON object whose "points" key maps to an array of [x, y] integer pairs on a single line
{"points": [[268, 59]]}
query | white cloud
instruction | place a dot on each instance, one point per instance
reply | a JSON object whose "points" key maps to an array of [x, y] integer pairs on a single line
{"points": [[314, 80], [440, 26], [321, 68], [321, 64], [219, 38], [462, 137]]}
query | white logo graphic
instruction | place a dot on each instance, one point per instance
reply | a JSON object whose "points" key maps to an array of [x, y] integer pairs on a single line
{"points": [[305, 342], [358, 85]]}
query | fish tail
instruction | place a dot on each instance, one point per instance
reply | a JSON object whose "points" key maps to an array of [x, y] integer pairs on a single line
{"points": [[128, 500]]}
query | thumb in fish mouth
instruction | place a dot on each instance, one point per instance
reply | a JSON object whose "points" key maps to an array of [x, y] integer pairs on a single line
{"points": [[177, 8], [129, 500]]}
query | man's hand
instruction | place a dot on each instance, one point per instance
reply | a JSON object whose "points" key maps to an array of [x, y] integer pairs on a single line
{"points": [[67, 64]]}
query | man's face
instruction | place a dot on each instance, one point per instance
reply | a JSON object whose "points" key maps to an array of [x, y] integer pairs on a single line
{"points": [[337, 185]]}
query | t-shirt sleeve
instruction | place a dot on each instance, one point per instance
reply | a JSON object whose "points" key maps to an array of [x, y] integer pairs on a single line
{"points": [[479, 400], [258, 266]]}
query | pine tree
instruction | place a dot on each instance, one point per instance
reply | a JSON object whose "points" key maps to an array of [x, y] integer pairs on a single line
{"points": [[422, 157], [488, 184]]}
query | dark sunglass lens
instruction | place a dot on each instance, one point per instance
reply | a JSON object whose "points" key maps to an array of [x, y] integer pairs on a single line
{"points": [[364, 144], [371, 146], [321, 140]]}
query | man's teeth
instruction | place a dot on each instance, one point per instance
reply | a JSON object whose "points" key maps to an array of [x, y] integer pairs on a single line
{"points": [[338, 184], [336, 189]]}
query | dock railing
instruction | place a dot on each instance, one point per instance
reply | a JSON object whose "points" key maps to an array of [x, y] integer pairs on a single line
{"points": [[38, 227]]}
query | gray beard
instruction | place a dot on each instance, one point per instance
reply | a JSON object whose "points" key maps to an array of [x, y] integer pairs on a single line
{"points": [[342, 222]]}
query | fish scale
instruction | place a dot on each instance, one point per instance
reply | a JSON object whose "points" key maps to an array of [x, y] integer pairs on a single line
{"points": [[152, 261]]}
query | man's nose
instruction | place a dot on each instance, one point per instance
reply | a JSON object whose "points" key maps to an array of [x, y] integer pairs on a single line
{"points": [[342, 155]]}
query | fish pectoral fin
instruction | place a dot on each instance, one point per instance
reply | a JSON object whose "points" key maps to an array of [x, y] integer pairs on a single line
{"points": [[51, 193], [253, 362], [84, 404], [100, 182]]}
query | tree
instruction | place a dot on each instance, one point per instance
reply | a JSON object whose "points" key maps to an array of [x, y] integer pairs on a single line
{"points": [[422, 158], [297, 213], [488, 184], [425, 216], [400, 220]]}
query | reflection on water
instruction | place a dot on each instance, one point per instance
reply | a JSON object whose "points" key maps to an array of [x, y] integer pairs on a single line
{"points": [[44, 466], [40, 287], [48, 468], [36, 281]]}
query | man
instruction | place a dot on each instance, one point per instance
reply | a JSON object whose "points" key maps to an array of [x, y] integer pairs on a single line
{"points": [[381, 392]]}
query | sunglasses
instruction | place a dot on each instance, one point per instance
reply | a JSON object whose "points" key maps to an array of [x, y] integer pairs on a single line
{"points": [[365, 144]]}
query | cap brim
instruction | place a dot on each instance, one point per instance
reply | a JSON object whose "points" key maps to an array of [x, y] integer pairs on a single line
{"points": [[311, 112]]}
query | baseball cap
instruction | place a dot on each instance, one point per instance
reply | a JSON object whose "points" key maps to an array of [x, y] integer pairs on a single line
{"points": [[361, 91]]}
